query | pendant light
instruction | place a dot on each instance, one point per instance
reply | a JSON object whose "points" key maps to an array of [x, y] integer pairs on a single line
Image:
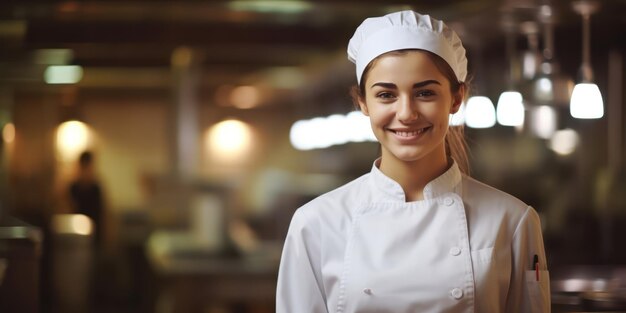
{"points": [[510, 107], [550, 86], [480, 112], [586, 101]]}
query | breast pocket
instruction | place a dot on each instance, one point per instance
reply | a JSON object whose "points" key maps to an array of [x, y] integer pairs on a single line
{"points": [[538, 288], [482, 262]]}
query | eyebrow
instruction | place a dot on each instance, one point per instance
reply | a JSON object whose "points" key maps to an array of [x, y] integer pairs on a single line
{"points": [[416, 85]]}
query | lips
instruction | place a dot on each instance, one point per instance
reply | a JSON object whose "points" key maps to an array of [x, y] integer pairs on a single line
{"points": [[409, 133]]}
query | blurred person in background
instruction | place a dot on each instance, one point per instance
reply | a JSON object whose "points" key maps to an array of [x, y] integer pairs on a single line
{"points": [[86, 196], [416, 234], [84, 265]]}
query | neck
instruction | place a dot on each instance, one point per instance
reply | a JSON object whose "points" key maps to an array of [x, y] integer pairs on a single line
{"points": [[413, 176]]}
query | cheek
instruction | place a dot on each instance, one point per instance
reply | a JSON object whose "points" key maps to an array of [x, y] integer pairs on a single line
{"points": [[379, 113], [436, 111], [442, 128]]}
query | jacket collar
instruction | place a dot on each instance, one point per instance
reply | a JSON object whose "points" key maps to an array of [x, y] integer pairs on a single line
{"points": [[389, 190]]}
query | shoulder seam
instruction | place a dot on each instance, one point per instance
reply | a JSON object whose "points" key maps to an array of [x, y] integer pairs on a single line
{"points": [[522, 219]]}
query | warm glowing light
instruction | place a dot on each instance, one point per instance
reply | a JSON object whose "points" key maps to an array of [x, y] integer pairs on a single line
{"points": [[480, 112], [586, 102], [564, 141], [77, 224], [8, 133], [245, 97], [337, 129], [543, 121], [510, 110], [63, 74], [72, 139], [229, 140]]}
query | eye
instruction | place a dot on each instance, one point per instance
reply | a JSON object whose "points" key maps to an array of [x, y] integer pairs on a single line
{"points": [[424, 93], [385, 95]]}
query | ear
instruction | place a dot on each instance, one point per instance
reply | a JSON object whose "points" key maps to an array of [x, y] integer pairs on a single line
{"points": [[457, 99], [363, 106]]}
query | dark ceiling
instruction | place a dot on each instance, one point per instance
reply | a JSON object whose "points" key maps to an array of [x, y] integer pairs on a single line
{"points": [[235, 40]]}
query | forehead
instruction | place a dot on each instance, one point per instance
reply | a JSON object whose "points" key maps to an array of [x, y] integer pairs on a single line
{"points": [[410, 66]]}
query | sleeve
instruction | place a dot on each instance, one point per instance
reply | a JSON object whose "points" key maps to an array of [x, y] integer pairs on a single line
{"points": [[300, 286], [529, 290]]}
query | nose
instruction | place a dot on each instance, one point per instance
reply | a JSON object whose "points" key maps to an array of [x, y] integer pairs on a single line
{"points": [[407, 110]]}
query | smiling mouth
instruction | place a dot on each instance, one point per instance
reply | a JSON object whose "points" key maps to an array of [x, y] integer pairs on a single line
{"points": [[410, 133]]}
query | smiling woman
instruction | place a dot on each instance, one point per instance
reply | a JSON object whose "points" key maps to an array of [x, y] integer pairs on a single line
{"points": [[454, 139], [409, 100], [416, 234]]}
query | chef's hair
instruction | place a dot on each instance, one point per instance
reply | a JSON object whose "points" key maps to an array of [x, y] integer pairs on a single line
{"points": [[456, 146]]}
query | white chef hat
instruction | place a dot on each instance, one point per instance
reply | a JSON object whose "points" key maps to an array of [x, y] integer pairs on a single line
{"points": [[406, 30]]}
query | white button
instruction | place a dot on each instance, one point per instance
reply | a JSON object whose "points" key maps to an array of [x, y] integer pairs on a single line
{"points": [[456, 293], [367, 291], [448, 201], [455, 251]]}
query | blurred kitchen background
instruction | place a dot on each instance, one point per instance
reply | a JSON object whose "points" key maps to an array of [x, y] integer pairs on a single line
{"points": [[208, 123]]}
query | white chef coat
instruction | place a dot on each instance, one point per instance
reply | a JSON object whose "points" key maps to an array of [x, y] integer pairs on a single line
{"points": [[466, 247]]}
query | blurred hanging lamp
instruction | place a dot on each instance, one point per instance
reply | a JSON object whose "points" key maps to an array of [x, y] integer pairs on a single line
{"points": [[550, 87], [510, 107], [480, 113], [530, 57], [586, 101], [479, 110]]}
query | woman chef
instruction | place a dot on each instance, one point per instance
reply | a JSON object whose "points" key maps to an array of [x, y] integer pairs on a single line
{"points": [[415, 234]]}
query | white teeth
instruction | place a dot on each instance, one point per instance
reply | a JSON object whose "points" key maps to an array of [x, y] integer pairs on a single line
{"points": [[410, 133], [406, 134]]}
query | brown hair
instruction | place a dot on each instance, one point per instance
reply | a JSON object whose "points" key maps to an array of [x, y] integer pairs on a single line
{"points": [[456, 146]]}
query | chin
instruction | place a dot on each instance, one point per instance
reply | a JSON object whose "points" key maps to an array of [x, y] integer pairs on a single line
{"points": [[414, 153], [408, 156]]}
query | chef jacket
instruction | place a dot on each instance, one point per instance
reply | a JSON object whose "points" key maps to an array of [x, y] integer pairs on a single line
{"points": [[466, 247]]}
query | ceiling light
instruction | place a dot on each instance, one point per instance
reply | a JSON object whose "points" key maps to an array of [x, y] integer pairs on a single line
{"points": [[63, 74], [337, 129], [543, 120], [510, 110], [586, 101], [480, 112], [229, 141], [73, 137], [564, 141]]}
